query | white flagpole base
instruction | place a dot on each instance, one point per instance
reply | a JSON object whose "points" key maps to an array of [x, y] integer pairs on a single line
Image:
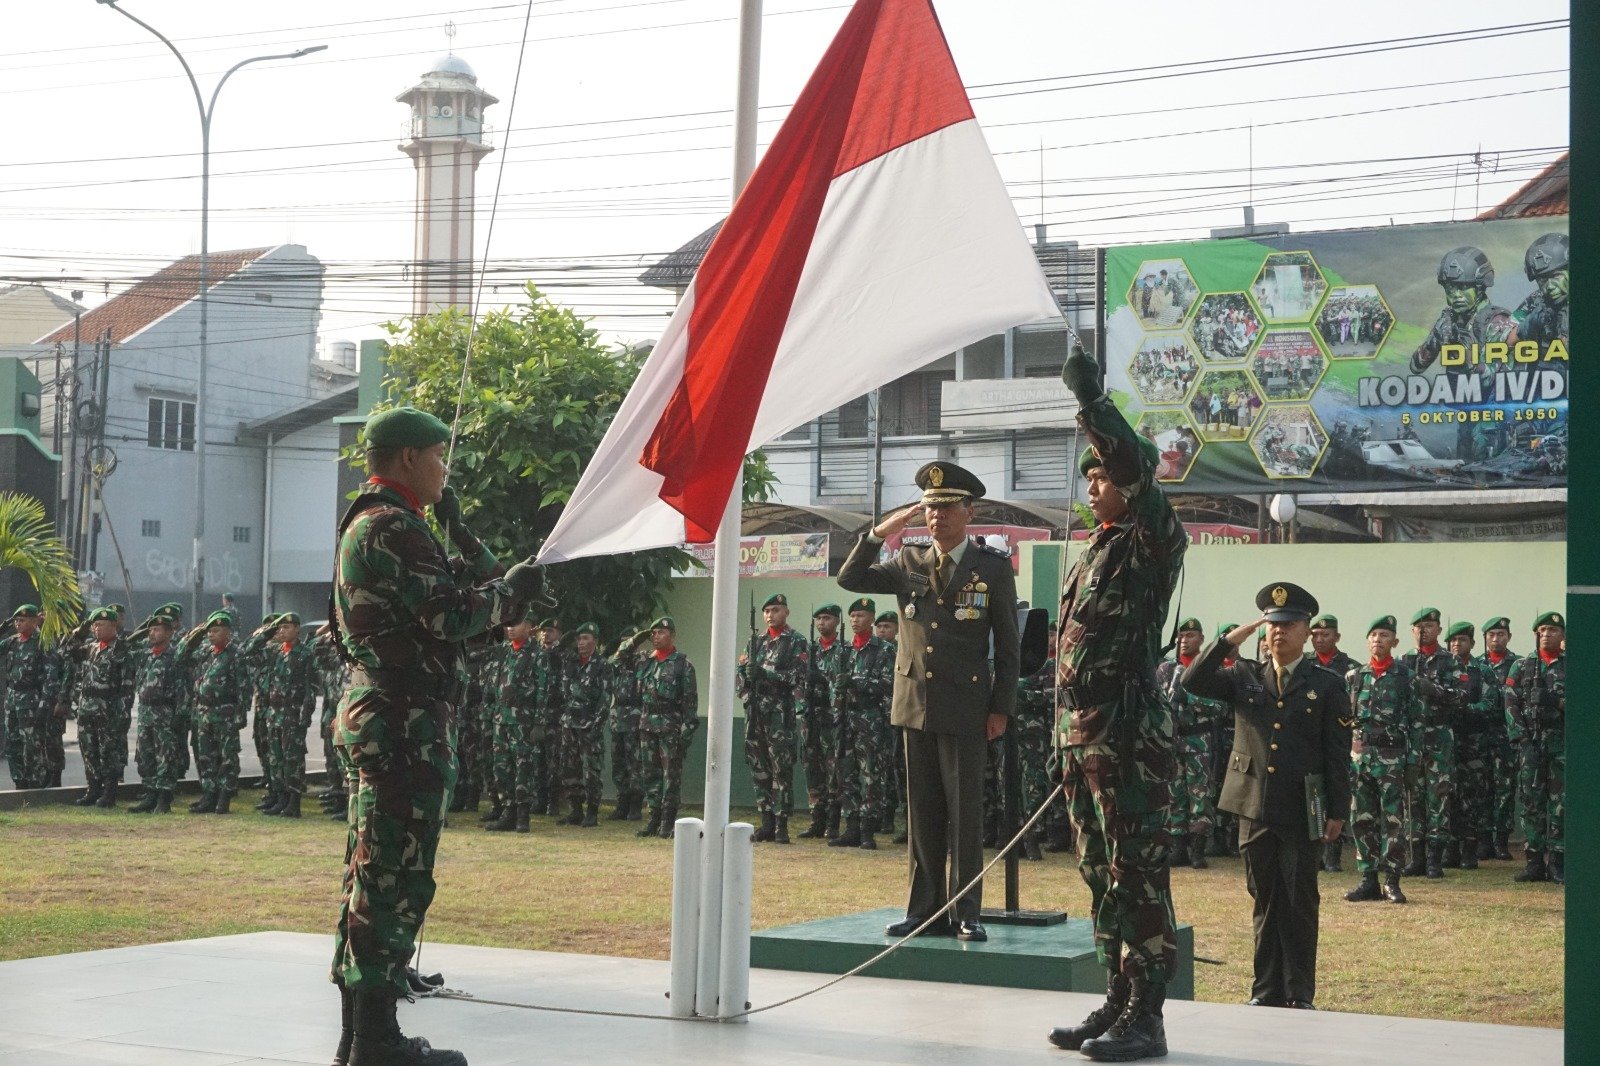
{"points": [[688, 841], [733, 975]]}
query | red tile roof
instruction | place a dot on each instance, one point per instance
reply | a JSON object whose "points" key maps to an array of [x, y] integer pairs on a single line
{"points": [[1545, 195], [156, 296]]}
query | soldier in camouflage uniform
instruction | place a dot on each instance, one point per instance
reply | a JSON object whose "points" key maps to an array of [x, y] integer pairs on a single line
{"points": [[292, 682], [887, 629], [819, 732], [1542, 317], [253, 652], [27, 669], [1116, 727], [1482, 710], [1498, 658], [669, 713], [1383, 752], [161, 684], [221, 696], [470, 741], [1430, 791], [1536, 717], [1225, 834], [774, 680], [403, 611], [519, 700], [547, 748], [1193, 721], [335, 675], [862, 689], [626, 769], [104, 708], [585, 698], [1325, 651], [1035, 724]]}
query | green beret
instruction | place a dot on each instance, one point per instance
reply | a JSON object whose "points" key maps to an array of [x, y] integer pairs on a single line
{"points": [[665, 622], [103, 614], [1500, 622], [777, 599], [27, 610], [1427, 614], [1191, 625], [290, 617], [1088, 459], [171, 607], [1549, 618], [1326, 621], [590, 628], [828, 608], [117, 609], [404, 427], [549, 623], [1384, 622], [164, 616], [863, 604], [219, 618], [888, 616], [1227, 627], [1460, 629]]}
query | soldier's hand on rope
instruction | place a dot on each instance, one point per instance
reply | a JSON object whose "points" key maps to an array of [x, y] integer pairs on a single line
{"points": [[448, 509], [526, 581]]}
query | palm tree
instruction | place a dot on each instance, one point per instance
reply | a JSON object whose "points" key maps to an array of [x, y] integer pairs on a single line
{"points": [[28, 542]]}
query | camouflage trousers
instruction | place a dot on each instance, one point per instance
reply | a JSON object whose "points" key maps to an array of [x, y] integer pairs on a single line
{"points": [[216, 744], [1118, 803], [661, 757], [769, 748], [512, 762], [469, 750], [1377, 791], [582, 754], [1428, 802], [819, 744], [627, 772], [287, 736], [184, 740], [892, 761], [156, 751], [1472, 816], [1191, 789], [330, 757], [1033, 756], [261, 737], [1542, 782], [28, 726], [102, 740], [399, 747], [861, 736], [1503, 775], [547, 762], [994, 774]]}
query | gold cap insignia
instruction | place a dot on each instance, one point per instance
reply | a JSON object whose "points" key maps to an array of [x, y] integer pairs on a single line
{"points": [[1280, 596], [936, 477]]}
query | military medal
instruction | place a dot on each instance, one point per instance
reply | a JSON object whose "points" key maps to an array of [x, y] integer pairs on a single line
{"points": [[911, 610], [983, 586]]}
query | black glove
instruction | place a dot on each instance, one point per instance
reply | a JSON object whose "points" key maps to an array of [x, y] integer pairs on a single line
{"points": [[526, 580], [1082, 376], [448, 509]]}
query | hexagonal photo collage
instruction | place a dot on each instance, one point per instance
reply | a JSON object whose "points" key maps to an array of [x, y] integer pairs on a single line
{"points": [[1164, 368], [1224, 405], [1225, 326], [1162, 293], [1288, 287], [1174, 437], [1289, 441], [1354, 321], [1288, 364]]}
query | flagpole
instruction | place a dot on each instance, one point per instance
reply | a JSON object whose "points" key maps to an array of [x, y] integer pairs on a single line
{"points": [[725, 594]]}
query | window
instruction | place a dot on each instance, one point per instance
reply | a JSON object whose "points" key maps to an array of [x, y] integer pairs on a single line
{"points": [[241, 534], [171, 424], [910, 406], [150, 527]]}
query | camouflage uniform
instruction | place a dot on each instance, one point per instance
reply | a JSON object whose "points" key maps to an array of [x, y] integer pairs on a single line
{"points": [[627, 773], [820, 729], [1193, 723], [161, 681], [1428, 801], [27, 671], [472, 746], [291, 682], [547, 731], [1536, 715], [222, 688], [585, 697], [669, 714], [1384, 750], [253, 654], [774, 682], [1035, 725], [403, 611], [1503, 759], [104, 709], [1482, 712], [862, 691], [520, 699], [1118, 763], [335, 675]]}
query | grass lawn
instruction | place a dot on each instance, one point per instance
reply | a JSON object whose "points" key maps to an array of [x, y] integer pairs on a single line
{"points": [[1473, 947]]}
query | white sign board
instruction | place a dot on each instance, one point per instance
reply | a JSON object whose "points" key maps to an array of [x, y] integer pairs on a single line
{"points": [[1007, 403]]}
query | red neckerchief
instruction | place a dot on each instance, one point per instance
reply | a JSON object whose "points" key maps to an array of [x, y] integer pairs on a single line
{"points": [[775, 633], [1497, 657], [1185, 659], [663, 654], [217, 649], [24, 639], [516, 645], [1549, 656], [1428, 650], [1325, 659], [104, 644], [583, 660], [159, 650], [1380, 665], [861, 639], [288, 646], [403, 491], [828, 642]]}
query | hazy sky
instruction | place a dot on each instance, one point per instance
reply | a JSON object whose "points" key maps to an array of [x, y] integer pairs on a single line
{"points": [[619, 148]]}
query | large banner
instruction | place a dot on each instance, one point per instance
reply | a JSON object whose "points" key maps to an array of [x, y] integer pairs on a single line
{"points": [[1412, 357], [787, 554]]}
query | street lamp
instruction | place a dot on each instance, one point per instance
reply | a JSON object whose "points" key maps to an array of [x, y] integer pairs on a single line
{"points": [[206, 111]]}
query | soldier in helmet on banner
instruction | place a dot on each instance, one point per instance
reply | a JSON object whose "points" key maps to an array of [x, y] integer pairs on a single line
{"points": [[1542, 317]]}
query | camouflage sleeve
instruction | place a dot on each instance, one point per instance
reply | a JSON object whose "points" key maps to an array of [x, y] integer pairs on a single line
{"points": [[1516, 681], [1158, 532], [1487, 707], [798, 681], [689, 695], [398, 549], [882, 676], [1411, 714], [1428, 350], [477, 561]]}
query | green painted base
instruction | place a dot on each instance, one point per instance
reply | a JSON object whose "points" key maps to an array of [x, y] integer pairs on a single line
{"points": [[1051, 958]]}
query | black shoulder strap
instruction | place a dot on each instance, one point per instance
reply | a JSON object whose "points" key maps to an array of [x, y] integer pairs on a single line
{"points": [[366, 501]]}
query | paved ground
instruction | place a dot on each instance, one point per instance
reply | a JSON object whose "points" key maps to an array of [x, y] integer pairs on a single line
{"points": [[263, 998]]}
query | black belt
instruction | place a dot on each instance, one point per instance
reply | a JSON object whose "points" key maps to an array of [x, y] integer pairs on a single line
{"points": [[418, 682]]}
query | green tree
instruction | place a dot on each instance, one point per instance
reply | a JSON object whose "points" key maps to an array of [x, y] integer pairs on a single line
{"points": [[29, 543], [540, 391]]}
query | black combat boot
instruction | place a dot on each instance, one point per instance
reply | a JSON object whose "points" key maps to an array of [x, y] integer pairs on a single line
{"points": [[164, 801], [781, 834], [669, 822], [1030, 846], [834, 817], [653, 826], [108, 796], [1452, 856], [341, 807], [1098, 1023], [1333, 857], [268, 800], [575, 815], [620, 812], [91, 794], [507, 820], [1197, 852], [347, 1034], [636, 807], [474, 797], [378, 1040], [224, 797], [1367, 891], [1391, 889], [1502, 847], [1218, 846], [1470, 850], [279, 805], [819, 823], [1535, 869], [1139, 1031], [591, 816], [521, 818], [1180, 852], [146, 804], [768, 828], [290, 807], [206, 804], [1557, 868], [1434, 870], [1419, 862], [1485, 848], [851, 837], [869, 829], [496, 809], [902, 836], [458, 803]]}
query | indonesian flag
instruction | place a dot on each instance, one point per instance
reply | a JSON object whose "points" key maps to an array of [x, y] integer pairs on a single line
{"points": [[875, 237]]}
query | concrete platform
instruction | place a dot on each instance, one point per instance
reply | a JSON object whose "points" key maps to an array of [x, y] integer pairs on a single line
{"points": [[264, 998], [1052, 958]]}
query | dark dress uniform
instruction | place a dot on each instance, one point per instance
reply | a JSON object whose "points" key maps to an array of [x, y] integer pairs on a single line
{"points": [[945, 690], [1281, 735]]}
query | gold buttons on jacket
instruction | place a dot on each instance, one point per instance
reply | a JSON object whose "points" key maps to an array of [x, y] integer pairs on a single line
{"points": [[930, 649], [933, 625], [1272, 769], [974, 677], [929, 674], [1274, 747], [1277, 725], [1280, 705]]}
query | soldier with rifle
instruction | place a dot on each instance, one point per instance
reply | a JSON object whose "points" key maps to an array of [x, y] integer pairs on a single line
{"points": [[1536, 716]]}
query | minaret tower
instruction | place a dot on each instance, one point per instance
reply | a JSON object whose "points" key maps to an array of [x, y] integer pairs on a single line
{"points": [[447, 140]]}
